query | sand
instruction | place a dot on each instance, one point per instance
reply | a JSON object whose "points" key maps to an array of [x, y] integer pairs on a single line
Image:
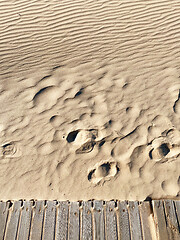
{"points": [[90, 99]]}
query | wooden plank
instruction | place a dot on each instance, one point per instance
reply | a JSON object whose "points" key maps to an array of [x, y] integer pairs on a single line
{"points": [[37, 221], [98, 220], [3, 217], [86, 221], [49, 220], [172, 224], [13, 221], [74, 232], [145, 213], [134, 220], [111, 224], [177, 208], [135, 223], [159, 219], [25, 221], [123, 217], [62, 221]]}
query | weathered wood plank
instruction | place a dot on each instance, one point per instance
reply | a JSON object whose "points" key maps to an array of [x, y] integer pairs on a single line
{"points": [[135, 223], [159, 219], [98, 220], [172, 224], [177, 208], [111, 224], [74, 232], [37, 221], [49, 220], [123, 216], [86, 221], [62, 221], [25, 221], [3, 217], [13, 221], [145, 214]]}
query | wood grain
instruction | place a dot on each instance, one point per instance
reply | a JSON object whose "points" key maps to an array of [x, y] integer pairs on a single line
{"points": [[135, 223], [13, 221], [87, 221], [159, 219], [111, 223], [62, 220], [124, 226], [37, 221], [98, 220], [25, 221]]}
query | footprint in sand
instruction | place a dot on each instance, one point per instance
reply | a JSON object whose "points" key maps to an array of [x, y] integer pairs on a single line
{"points": [[86, 147], [164, 149], [103, 172], [10, 150], [81, 136], [84, 139]]}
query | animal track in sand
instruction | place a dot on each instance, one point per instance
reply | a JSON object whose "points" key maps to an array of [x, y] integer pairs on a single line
{"points": [[103, 172]]}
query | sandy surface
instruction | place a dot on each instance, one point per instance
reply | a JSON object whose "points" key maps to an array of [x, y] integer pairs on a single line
{"points": [[90, 99]]}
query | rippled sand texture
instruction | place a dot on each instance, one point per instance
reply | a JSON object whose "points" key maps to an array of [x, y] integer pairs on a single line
{"points": [[90, 99]]}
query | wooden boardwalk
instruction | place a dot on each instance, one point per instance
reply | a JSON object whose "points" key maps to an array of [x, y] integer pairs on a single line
{"points": [[59, 220]]}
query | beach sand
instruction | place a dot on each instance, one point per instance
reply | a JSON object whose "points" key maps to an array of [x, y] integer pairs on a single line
{"points": [[90, 99]]}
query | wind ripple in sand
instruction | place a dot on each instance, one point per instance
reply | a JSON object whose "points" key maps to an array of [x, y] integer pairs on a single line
{"points": [[93, 29]]}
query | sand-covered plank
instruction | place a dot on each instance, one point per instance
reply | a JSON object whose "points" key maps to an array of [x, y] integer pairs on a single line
{"points": [[86, 221], [98, 220], [37, 220], [171, 220], [123, 217], [74, 229], [3, 217], [135, 223], [111, 224], [159, 219], [13, 221], [49, 220], [25, 221]]}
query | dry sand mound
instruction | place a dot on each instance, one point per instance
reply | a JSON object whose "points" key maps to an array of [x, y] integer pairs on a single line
{"points": [[90, 99]]}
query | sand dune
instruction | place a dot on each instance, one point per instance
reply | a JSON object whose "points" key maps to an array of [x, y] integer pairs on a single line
{"points": [[90, 99]]}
